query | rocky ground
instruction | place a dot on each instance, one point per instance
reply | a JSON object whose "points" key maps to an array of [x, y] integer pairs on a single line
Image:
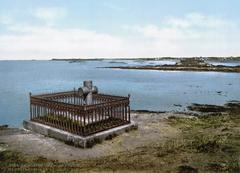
{"points": [[164, 142]]}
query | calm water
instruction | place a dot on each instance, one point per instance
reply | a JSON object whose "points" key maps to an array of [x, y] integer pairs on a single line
{"points": [[153, 90]]}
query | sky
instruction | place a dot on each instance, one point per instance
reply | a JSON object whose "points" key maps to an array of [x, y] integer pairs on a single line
{"points": [[46, 29]]}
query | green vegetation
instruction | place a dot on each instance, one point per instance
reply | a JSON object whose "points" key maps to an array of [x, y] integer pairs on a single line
{"points": [[214, 139], [208, 143], [192, 62]]}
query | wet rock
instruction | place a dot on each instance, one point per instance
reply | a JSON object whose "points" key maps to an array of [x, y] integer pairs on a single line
{"points": [[187, 169], [231, 106], [3, 127], [177, 105], [206, 108]]}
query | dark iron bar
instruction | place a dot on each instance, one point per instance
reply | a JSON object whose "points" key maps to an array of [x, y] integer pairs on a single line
{"points": [[68, 111]]}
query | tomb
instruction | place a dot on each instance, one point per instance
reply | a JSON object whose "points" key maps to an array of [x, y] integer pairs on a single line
{"points": [[79, 117]]}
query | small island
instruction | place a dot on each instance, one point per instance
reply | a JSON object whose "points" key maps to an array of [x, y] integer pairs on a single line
{"points": [[187, 64]]}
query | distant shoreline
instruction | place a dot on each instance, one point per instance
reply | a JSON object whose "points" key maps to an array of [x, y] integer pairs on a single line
{"points": [[186, 64], [219, 59], [176, 68]]}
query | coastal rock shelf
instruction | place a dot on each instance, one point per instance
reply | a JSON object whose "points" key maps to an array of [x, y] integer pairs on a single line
{"points": [[185, 64]]}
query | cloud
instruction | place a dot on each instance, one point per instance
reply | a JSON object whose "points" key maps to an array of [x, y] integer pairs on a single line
{"points": [[113, 7], [5, 20], [50, 15], [197, 20], [49, 42], [191, 26], [192, 35]]}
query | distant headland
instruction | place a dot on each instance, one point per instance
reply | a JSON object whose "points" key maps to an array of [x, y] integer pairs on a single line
{"points": [[219, 59]]}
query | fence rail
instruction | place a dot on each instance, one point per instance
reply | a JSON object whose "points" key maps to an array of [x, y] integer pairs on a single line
{"points": [[67, 111]]}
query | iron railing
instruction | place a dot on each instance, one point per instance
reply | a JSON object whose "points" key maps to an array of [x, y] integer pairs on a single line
{"points": [[67, 111]]}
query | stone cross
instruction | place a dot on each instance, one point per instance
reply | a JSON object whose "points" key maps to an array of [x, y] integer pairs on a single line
{"points": [[87, 90]]}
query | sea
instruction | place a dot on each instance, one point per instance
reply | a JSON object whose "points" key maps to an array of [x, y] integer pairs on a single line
{"points": [[149, 89]]}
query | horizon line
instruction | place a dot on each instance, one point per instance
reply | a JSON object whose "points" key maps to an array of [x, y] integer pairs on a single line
{"points": [[106, 58]]}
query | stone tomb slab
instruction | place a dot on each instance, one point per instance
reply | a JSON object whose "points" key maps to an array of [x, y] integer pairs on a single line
{"points": [[76, 140]]}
